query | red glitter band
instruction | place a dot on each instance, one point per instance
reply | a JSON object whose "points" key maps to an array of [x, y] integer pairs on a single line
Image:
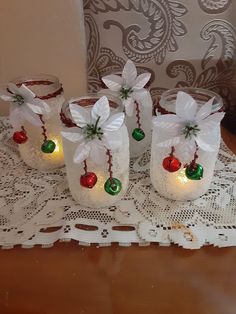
{"points": [[172, 151], [138, 114], [41, 82], [66, 121], [195, 157], [44, 133], [86, 102], [109, 164], [23, 129], [85, 167]]}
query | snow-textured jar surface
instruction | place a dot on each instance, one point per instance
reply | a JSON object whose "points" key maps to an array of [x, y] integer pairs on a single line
{"points": [[115, 160], [176, 185], [49, 89]]}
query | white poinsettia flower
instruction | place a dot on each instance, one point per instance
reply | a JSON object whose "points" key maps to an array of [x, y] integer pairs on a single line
{"points": [[129, 87], [96, 131], [24, 105], [189, 126]]}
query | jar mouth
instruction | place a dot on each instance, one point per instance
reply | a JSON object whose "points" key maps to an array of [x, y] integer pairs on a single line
{"points": [[201, 96], [45, 86], [87, 102]]}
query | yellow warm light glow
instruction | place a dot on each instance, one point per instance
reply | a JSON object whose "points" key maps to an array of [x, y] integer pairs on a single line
{"points": [[97, 193], [181, 177], [99, 187], [58, 148]]}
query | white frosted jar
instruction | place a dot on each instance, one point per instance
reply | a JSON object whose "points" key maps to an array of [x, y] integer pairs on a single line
{"points": [[176, 185], [96, 196], [49, 89]]}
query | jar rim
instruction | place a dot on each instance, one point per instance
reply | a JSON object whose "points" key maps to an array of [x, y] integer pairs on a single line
{"points": [[204, 94], [38, 80], [84, 101]]}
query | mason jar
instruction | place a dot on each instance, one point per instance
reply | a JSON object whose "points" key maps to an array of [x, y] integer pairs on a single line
{"points": [[49, 89], [115, 162], [177, 184]]}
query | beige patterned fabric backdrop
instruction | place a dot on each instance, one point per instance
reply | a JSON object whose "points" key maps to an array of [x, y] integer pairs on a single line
{"points": [[181, 42]]}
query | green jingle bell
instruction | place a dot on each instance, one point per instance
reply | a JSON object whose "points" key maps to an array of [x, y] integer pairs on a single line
{"points": [[48, 147], [113, 186], [194, 173], [138, 134]]}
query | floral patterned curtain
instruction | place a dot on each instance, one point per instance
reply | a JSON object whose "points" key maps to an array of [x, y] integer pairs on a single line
{"points": [[181, 42]]}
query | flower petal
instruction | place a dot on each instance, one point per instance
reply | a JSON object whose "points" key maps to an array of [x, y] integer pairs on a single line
{"points": [[141, 80], [38, 106], [113, 82], [4, 95], [101, 109], [186, 106], [205, 110], [16, 118], [211, 122], [13, 88], [112, 141], [35, 109], [114, 122], [42, 104], [73, 135], [143, 97], [81, 153], [207, 142], [129, 73], [80, 115], [98, 152], [25, 92], [129, 106], [171, 123], [30, 116], [107, 92]]}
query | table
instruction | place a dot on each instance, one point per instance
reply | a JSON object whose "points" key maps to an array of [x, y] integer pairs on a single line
{"points": [[71, 279]]}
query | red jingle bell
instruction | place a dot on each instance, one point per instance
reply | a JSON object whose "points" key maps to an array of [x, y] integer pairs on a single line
{"points": [[20, 137], [88, 180], [171, 164]]}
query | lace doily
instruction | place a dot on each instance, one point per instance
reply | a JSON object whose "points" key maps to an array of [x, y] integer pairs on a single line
{"points": [[36, 208]]}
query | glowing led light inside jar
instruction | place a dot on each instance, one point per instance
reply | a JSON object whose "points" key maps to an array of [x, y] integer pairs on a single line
{"points": [[181, 177]]}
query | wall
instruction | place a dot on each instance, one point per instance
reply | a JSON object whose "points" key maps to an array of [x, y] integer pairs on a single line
{"points": [[43, 36], [181, 42]]}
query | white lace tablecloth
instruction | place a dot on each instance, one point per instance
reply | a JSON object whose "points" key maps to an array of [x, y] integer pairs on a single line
{"points": [[36, 208]]}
